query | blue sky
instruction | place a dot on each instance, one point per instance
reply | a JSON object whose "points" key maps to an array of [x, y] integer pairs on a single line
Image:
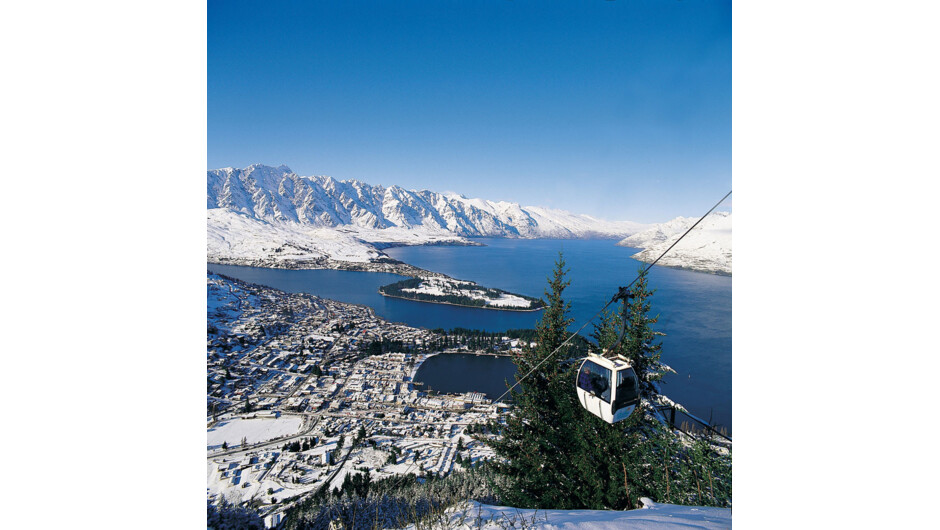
{"points": [[618, 109]]}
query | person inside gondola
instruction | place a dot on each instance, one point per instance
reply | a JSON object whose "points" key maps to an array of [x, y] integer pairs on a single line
{"points": [[594, 379], [584, 380]]}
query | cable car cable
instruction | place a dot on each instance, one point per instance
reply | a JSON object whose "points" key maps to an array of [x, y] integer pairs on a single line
{"points": [[621, 293]]}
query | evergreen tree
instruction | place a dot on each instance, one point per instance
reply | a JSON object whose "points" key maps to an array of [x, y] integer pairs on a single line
{"points": [[537, 438], [639, 342], [641, 457], [639, 339], [360, 434], [560, 456], [225, 515]]}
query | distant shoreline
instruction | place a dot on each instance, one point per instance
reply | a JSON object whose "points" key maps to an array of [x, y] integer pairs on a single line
{"points": [[388, 265], [690, 268]]}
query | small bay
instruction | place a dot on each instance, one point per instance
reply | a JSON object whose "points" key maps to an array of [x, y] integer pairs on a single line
{"points": [[487, 374]]}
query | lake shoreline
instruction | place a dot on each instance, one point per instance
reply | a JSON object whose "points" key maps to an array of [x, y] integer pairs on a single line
{"points": [[388, 265], [394, 266], [462, 305]]}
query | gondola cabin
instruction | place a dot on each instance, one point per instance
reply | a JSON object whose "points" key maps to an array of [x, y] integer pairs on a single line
{"points": [[608, 388]]}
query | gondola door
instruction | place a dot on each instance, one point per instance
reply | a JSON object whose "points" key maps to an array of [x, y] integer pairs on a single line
{"points": [[594, 389]]}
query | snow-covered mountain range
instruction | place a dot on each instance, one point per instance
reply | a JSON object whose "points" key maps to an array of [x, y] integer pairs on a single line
{"points": [[706, 249], [272, 216], [280, 195]]}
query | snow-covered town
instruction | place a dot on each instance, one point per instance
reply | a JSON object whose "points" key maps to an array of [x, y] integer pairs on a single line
{"points": [[303, 391]]}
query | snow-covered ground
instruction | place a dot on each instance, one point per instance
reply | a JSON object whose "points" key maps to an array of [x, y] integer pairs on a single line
{"points": [[223, 298], [236, 236], [237, 481], [509, 300], [707, 248], [652, 516], [254, 429]]}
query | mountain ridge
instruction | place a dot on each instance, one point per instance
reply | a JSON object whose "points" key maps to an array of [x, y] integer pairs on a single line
{"points": [[705, 249], [272, 217], [277, 194]]}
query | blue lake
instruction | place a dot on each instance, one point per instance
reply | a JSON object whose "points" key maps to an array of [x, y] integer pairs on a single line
{"points": [[694, 308]]}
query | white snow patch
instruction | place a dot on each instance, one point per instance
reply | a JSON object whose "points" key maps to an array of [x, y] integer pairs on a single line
{"points": [[254, 429], [653, 516], [232, 235], [509, 300]]}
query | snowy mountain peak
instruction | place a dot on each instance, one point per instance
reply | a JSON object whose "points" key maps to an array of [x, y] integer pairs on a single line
{"points": [[268, 170], [279, 195], [707, 248]]}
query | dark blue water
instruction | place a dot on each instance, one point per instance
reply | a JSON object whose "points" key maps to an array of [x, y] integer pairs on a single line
{"points": [[694, 308], [437, 373], [363, 288]]}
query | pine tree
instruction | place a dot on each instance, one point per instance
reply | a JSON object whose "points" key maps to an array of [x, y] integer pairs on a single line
{"points": [[560, 456], [639, 342], [537, 438], [612, 461], [641, 457], [226, 515], [360, 435]]}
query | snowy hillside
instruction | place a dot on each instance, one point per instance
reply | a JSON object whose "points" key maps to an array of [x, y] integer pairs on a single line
{"points": [[262, 214], [237, 238], [652, 515], [706, 249]]}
